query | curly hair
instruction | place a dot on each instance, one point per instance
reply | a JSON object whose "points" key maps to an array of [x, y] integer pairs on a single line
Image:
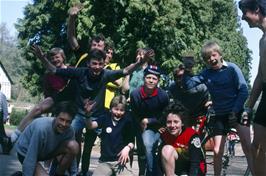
{"points": [[177, 108]]}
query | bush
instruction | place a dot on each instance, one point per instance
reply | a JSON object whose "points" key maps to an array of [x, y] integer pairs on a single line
{"points": [[17, 115]]}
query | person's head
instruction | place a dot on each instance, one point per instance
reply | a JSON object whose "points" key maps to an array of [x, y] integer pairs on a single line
{"points": [[211, 53], [151, 77], [118, 107], [177, 118], [96, 61], [140, 53], [57, 57], [253, 11], [109, 54], [178, 73], [64, 114], [97, 42], [188, 62]]}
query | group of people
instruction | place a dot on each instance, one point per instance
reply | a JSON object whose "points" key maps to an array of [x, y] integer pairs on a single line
{"points": [[165, 126]]}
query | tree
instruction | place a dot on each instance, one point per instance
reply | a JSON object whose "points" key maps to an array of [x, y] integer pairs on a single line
{"points": [[15, 65], [170, 27]]}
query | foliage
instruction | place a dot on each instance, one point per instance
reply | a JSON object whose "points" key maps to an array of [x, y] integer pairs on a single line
{"points": [[17, 115], [170, 27], [15, 65]]}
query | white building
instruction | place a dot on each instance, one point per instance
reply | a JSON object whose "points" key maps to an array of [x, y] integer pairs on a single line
{"points": [[5, 81]]}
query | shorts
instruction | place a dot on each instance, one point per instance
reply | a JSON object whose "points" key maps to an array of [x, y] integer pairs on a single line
{"points": [[219, 125], [260, 117]]}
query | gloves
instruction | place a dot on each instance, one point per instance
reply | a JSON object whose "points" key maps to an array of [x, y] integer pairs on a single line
{"points": [[246, 117], [232, 120]]}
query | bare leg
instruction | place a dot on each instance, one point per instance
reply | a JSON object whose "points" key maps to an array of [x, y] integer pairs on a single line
{"points": [[245, 139], [40, 171], [169, 156], [68, 150], [218, 154], [37, 110], [259, 149]]}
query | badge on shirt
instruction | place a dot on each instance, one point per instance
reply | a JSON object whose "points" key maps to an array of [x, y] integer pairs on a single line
{"points": [[108, 130], [196, 142]]}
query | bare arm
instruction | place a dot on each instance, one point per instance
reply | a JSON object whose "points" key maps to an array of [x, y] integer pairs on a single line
{"points": [[37, 51], [125, 84], [255, 91], [132, 67], [71, 27]]}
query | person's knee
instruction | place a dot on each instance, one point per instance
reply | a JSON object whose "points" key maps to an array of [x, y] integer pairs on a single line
{"points": [[217, 150], [167, 152], [72, 147]]}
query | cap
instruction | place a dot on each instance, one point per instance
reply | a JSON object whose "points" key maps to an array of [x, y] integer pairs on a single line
{"points": [[152, 69]]}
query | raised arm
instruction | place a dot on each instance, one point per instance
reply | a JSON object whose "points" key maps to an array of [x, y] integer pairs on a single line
{"points": [[71, 27], [37, 51], [132, 67]]}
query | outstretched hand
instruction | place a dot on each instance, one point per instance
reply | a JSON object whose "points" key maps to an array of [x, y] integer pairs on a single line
{"points": [[149, 54], [123, 155], [37, 51], [88, 105], [74, 11]]}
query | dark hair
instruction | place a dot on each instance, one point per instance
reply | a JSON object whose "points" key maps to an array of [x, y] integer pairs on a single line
{"points": [[97, 54], [97, 38], [253, 5], [177, 108], [67, 107]]}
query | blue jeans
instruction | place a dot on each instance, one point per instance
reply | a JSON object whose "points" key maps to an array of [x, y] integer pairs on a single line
{"points": [[150, 139], [78, 124]]}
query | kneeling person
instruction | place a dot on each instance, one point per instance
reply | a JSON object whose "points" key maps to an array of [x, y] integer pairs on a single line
{"points": [[47, 138], [182, 152]]}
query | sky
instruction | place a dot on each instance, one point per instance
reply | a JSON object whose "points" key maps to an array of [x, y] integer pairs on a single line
{"points": [[10, 10]]}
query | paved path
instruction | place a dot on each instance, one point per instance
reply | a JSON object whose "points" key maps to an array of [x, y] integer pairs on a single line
{"points": [[9, 163]]}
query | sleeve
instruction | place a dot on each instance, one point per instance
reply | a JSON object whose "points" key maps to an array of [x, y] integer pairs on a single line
{"points": [[133, 106], [112, 75], [195, 155], [31, 158], [242, 89], [4, 107], [70, 72], [111, 84], [129, 131]]}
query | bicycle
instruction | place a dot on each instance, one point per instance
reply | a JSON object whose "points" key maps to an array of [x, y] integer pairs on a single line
{"points": [[205, 130]]}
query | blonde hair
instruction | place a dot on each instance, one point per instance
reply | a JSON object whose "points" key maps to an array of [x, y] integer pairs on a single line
{"points": [[55, 51], [120, 99], [208, 48]]}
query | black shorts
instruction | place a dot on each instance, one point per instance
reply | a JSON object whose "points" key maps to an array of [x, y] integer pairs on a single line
{"points": [[260, 116], [219, 125]]}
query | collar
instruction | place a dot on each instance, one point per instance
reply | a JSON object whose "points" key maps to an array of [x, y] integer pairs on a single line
{"points": [[144, 95], [225, 64]]}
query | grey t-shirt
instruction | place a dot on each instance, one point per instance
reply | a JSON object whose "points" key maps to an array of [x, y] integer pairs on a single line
{"points": [[38, 141]]}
